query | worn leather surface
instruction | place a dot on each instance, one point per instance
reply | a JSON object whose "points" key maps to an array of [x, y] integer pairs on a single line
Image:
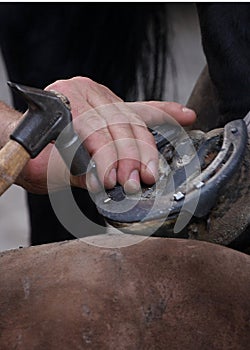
{"points": [[157, 294]]}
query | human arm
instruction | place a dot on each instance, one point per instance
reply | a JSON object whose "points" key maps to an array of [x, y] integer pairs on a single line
{"points": [[116, 136]]}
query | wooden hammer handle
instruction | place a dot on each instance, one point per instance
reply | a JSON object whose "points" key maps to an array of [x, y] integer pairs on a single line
{"points": [[13, 158]]}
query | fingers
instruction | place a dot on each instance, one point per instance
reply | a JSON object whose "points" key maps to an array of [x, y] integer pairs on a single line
{"points": [[115, 133], [159, 112], [109, 137], [122, 147]]}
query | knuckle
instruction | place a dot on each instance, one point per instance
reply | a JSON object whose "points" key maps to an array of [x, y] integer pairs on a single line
{"points": [[85, 81], [136, 120], [94, 121], [130, 151], [105, 155], [58, 85], [104, 135]]}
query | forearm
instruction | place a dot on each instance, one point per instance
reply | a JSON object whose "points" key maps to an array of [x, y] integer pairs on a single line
{"points": [[9, 119]]}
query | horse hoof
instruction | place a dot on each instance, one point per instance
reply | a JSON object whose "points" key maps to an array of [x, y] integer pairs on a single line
{"points": [[202, 193]]}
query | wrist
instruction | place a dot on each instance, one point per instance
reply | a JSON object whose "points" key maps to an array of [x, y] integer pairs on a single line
{"points": [[9, 118]]}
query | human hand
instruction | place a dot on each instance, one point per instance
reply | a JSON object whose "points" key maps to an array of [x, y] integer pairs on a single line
{"points": [[114, 133]]}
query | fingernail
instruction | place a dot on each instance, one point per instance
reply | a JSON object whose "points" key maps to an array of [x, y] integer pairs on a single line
{"points": [[132, 185], [93, 183], [152, 168], [187, 110]]}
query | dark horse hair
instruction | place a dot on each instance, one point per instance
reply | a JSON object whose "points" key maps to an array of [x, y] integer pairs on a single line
{"points": [[225, 33], [121, 45]]}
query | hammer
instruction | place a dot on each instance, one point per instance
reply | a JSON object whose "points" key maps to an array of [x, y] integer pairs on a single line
{"points": [[48, 117]]}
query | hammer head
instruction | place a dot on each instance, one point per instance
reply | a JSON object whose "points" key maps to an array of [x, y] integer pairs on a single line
{"points": [[47, 117]]}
